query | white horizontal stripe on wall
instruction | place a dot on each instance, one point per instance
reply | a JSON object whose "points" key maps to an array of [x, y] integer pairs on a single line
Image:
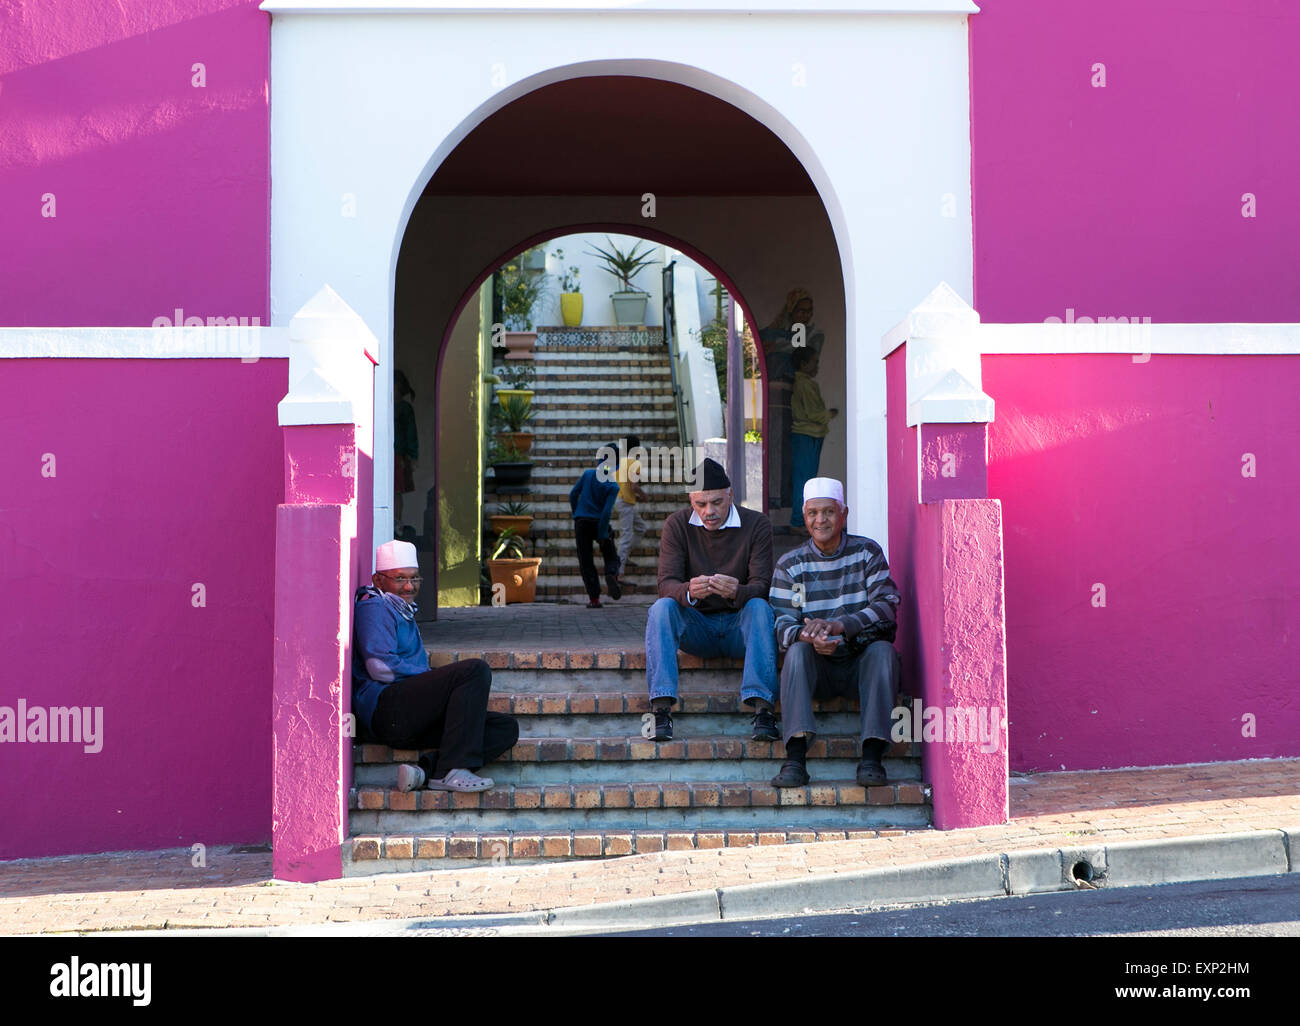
{"points": [[1136, 336], [225, 341]]}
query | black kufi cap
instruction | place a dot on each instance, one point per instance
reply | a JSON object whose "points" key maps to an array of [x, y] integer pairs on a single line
{"points": [[709, 477]]}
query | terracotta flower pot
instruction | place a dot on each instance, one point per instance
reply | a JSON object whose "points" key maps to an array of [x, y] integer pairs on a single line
{"points": [[519, 344], [518, 575], [521, 440], [502, 521]]}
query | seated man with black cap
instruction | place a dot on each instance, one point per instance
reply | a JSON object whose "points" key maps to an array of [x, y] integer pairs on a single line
{"points": [[835, 606], [715, 567]]}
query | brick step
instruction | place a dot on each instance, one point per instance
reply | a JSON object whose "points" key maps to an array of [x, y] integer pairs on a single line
{"points": [[381, 853], [616, 387], [696, 804], [557, 583], [549, 376], [596, 398], [577, 424], [617, 760], [546, 501]]}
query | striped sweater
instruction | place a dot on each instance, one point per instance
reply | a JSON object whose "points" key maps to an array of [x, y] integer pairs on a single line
{"points": [[852, 585]]}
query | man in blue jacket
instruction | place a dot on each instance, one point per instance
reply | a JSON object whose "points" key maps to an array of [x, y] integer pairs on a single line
{"points": [[403, 702], [592, 502]]}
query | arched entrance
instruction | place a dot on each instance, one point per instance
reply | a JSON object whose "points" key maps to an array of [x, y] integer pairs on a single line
{"points": [[732, 196]]}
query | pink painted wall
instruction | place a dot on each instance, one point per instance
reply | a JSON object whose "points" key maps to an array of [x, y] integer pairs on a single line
{"points": [[161, 189], [1130, 475], [1127, 200], [166, 474]]}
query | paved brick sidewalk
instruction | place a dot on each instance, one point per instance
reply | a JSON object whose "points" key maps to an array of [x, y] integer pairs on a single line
{"points": [[163, 890]]}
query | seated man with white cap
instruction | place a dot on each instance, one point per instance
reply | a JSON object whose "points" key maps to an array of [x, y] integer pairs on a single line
{"points": [[835, 607], [403, 702], [715, 566]]}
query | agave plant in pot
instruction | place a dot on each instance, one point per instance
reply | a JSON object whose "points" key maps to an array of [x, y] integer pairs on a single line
{"points": [[508, 567], [512, 414], [624, 265], [521, 291], [512, 516]]}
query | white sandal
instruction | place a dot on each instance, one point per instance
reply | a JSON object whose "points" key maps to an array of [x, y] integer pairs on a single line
{"points": [[461, 780]]}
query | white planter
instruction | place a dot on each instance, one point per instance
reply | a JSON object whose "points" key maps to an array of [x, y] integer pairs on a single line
{"points": [[629, 307]]}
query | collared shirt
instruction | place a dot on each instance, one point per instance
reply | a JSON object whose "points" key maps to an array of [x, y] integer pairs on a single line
{"points": [[733, 519]]}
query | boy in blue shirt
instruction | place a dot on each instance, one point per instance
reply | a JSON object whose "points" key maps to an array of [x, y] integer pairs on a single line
{"points": [[592, 501]]}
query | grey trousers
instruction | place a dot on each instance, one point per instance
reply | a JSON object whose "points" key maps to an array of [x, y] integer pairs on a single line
{"points": [[872, 675], [630, 528]]}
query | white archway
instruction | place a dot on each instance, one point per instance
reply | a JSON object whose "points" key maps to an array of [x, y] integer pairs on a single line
{"points": [[367, 104]]}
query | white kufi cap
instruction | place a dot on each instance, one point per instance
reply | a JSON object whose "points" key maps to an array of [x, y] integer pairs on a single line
{"points": [[823, 488], [395, 555]]}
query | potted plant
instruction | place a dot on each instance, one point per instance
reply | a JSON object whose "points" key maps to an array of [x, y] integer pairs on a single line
{"points": [[570, 294], [515, 380], [629, 303], [520, 292], [512, 516], [513, 413], [511, 469], [509, 567]]}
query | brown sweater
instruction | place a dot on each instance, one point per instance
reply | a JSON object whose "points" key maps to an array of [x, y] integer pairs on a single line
{"points": [[743, 552]]}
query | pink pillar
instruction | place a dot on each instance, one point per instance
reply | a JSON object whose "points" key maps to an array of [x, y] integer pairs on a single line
{"points": [[322, 554], [945, 544]]}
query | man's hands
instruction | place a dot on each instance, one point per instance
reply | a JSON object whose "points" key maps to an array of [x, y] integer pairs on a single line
{"points": [[712, 584], [821, 634]]}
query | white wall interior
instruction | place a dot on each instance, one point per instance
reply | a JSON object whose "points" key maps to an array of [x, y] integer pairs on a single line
{"points": [[365, 105]]}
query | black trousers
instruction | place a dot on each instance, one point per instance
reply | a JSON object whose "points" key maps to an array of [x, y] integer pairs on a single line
{"points": [[585, 528], [445, 709]]}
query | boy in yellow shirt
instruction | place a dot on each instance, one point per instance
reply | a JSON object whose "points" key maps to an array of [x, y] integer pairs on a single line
{"points": [[630, 525]]}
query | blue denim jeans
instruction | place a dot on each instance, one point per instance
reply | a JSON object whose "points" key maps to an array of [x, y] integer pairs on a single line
{"points": [[748, 633]]}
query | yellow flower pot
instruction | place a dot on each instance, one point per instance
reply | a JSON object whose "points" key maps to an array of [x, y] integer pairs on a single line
{"points": [[571, 308]]}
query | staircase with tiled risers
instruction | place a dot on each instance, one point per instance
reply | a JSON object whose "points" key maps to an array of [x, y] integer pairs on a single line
{"points": [[594, 386], [584, 783]]}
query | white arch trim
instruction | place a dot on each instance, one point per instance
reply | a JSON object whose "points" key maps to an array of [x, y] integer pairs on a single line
{"points": [[626, 7]]}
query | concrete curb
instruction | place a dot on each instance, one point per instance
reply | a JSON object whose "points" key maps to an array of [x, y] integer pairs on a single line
{"points": [[1009, 874]]}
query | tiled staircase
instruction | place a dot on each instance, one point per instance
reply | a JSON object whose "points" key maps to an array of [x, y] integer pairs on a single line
{"points": [[594, 386], [584, 783]]}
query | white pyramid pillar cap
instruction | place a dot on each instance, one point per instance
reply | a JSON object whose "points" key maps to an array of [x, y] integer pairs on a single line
{"points": [[941, 314]]}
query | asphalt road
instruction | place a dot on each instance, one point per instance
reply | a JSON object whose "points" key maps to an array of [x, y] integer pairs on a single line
{"points": [[1266, 906]]}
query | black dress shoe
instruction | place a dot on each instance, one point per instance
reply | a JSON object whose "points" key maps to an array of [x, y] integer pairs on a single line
{"points": [[793, 774], [765, 726], [615, 589]]}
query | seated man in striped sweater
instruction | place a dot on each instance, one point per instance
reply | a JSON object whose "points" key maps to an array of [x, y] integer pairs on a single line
{"points": [[835, 607]]}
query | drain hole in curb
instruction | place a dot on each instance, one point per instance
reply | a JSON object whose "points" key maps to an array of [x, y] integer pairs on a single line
{"points": [[1082, 870]]}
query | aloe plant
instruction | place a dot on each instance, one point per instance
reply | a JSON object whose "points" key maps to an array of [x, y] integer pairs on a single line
{"points": [[515, 509], [509, 541]]}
